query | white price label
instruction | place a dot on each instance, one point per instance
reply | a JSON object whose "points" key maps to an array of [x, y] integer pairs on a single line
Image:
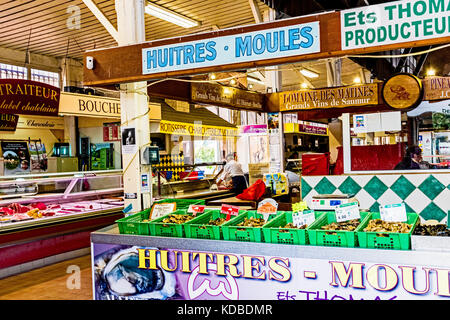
{"points": [[347, 211], [393, 212], [301, 218]]}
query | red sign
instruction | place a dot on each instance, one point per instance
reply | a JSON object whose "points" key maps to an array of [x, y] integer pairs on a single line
{"points": [[19, 96], [195, 209], [229, 210], [8, 122]]}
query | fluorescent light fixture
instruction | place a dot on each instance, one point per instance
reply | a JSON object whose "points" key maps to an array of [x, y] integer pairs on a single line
{"points": [[255, 80], [309, 74], [170, 16], [431, 72]]}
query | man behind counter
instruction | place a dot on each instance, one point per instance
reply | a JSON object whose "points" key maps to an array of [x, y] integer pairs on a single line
{"points": [[233, 170]]}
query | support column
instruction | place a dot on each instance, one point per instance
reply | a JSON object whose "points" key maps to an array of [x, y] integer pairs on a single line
{"points": [[134, 107], [273, 78]]}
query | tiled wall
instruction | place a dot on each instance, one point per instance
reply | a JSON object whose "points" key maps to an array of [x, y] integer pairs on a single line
{"points": [[423, 193]]}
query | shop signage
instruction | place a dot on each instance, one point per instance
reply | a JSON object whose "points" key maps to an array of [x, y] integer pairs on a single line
{"points": [[196, 129], [16, 157], [339, 97], [436, 88], [36, 122], [312, 128], [216, 94], [19, 96], [89, 105], [198, 275], [394, 22], [438, 106], [230, 49], [254, 128], [402, 91], [8, 122]]}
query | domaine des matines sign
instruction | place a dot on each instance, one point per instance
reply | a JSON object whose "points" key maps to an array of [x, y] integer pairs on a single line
{"points": [[19, 96], [339, 97]]}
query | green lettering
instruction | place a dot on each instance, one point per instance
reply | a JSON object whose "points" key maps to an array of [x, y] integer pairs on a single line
{"points": [[436, 6], [359, 34], [370, 35], [428, 27], [402, 10], [402, 30], [390, 9], [416, 27], [348, 38], [423, 9], [349, 19]]}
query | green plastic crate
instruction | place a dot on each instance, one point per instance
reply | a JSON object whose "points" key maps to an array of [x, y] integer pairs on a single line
{"points": [[159, 228], [231, 231], [332, 238], [198, 228], [133, 224], [182, 204], [386, 240], [274, 234]]}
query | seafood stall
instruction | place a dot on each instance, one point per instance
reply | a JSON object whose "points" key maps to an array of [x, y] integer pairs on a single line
{"points": [[48, 217]]}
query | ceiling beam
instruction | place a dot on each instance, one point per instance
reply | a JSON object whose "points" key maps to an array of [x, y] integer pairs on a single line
{"points": [[103, 19], [255, 10]]}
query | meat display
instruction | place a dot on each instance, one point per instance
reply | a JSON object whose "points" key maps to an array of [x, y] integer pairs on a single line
{"points": [[37, 210]]}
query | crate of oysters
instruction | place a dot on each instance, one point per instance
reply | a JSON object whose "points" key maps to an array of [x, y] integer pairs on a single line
{"points": [[337, 228], [391, 228], [431, 235]]}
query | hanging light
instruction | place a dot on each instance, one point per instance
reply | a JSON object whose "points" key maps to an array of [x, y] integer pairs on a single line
{"points": [[431, 72], [170, 16], [357, 80], [309, 74], [304, 85]]}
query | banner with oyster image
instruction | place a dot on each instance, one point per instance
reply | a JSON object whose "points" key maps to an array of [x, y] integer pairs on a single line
{"points": [[123, 272]]}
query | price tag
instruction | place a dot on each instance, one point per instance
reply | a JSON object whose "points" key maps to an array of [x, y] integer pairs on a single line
{"points": [[347, 211], [299, 206], [161, 209], [300, 218], [229, 210], [393, 212], [267, 207], [195, 209]]}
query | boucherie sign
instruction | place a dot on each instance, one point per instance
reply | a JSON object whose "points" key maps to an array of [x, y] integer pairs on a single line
{"points": [[19, 96]]}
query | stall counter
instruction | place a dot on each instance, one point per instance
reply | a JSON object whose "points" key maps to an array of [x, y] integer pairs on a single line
{"points": [[230, 270]]}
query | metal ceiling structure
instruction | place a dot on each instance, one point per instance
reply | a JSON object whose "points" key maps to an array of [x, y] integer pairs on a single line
{"points": [[67, 28]]}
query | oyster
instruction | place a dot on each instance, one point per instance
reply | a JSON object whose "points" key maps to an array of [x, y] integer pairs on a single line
{"points": [[118, 277]]}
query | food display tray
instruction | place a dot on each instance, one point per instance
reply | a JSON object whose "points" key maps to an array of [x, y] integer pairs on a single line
{"points": [[231, 231]]}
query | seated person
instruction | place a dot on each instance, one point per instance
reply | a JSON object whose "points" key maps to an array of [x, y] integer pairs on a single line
{"points": [[412, 160]]}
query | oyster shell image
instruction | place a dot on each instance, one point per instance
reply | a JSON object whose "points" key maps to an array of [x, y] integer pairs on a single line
{"points": [[117, 276]]}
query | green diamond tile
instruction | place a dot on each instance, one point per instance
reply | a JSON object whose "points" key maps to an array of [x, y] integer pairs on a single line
{"points": [[375, 187], [349, 186], [432, 211], [306, 188], [431, 187], [325, 186], [408, 208], [375, 207], [403, 187]]}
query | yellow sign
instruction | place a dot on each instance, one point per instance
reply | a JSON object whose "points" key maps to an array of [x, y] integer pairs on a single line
{"points": [[88, 105], [194, 129], [339, 97], [37, 122]]}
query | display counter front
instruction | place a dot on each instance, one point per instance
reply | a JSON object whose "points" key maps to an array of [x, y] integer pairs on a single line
{"points": [[46, 215], [189, 269]]}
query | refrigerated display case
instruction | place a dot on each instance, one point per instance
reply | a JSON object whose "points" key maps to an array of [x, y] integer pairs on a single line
{"points": [[52, 214]]}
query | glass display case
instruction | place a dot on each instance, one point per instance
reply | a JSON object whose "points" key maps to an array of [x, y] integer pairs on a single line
{"points": [[35, 200]]}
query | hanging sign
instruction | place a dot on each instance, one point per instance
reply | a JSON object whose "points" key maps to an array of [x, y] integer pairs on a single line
{"points": [[37, 122], [18, 96], [339, 97], [89, 105], [16, 157], [217, 94], [402, 91], [8, 122], [436, 88], [230, 49], [394, 22], [196, 129]]}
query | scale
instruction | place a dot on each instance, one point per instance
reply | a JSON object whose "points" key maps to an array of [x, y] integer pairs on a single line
{"points": [[330, 201]]}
